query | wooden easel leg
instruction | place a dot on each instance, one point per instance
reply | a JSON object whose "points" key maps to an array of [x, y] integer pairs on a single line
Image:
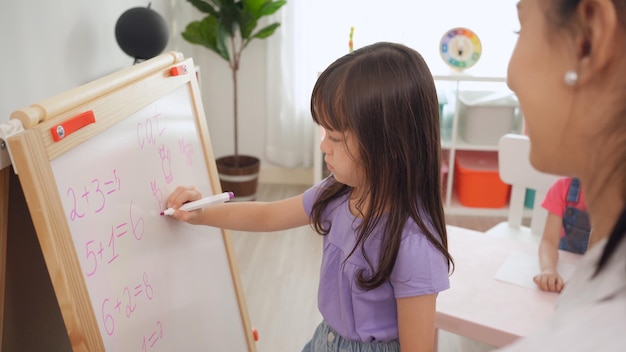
{"points": [[4, 221]]}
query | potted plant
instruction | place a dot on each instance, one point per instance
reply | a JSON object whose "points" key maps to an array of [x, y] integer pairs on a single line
{"points": [[227, 29]]}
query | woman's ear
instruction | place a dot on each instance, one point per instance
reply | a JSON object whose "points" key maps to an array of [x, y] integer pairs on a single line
{"points": [[597, 42]]}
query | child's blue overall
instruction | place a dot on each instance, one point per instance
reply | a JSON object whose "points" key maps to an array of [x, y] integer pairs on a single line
{"points": [[575, 223]]}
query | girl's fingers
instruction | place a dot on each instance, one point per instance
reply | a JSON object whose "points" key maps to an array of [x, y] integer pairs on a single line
{"points": [[182, 195], [549, 282]]}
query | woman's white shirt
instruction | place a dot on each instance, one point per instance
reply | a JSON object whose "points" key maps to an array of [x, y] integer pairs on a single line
{"points": [[591, 311]]}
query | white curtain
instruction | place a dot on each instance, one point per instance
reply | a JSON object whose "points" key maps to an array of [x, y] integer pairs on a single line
{"points": [[289, 82], [313, 33]]}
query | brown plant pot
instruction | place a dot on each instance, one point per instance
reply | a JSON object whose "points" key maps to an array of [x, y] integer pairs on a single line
{"points": [[239, 176]]}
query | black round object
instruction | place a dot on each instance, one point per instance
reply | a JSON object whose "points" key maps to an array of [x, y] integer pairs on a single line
{"points": [[141, 32]]}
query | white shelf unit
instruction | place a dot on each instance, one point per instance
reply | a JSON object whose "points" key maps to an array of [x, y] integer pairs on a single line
{"points": [[450, 140]]}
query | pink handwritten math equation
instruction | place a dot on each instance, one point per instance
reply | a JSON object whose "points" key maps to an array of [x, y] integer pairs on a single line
{"points": [[93, 196], [125, 305], [150, 340], [97, 252]]}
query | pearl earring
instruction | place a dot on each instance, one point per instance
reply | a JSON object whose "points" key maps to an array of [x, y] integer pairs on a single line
{"points": [[571, 77]]}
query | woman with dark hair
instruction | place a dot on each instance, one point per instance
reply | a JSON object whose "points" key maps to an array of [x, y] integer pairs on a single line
{"points": [[568, 70], [385, 251]]}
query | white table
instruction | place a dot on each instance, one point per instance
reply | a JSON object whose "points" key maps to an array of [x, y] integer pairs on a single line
{"points": [[479, 306]]}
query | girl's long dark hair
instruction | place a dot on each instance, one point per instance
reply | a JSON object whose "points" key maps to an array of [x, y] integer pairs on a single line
{"points": [[385, 95]]}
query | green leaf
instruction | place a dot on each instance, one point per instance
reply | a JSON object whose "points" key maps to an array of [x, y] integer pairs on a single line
{"points": [[247, 24], [221, 44], [253, 5], [195, 35], [260, 8], [208, 34], [230, 15], [204, 6], [229, 19], [266, 31], [270, 7]]}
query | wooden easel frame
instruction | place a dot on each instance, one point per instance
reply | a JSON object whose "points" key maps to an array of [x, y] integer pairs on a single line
{"points": [[4, 224], [33, 150]]}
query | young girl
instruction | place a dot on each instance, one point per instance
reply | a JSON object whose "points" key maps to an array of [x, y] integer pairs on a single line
{"points": [[385, 254], [567, 228]]}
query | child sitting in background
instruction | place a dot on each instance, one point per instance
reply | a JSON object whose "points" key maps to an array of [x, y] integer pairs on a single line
{"points": [[567, 228]]}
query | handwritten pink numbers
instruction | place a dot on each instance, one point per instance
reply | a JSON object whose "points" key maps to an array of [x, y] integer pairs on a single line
{"points": [[153, 338], [138, 226], [112, 189], [74, 213], [106, 251], [126, 304], [94, 196]]}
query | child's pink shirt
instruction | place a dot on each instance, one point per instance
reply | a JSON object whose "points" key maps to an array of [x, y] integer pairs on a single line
{"points": [[555, 201]]}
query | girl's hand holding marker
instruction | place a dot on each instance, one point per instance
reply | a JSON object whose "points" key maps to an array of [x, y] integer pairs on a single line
{"points": [[201, 203]]}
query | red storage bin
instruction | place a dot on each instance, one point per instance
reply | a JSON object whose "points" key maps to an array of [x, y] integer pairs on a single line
{"points": [[477, 182]]}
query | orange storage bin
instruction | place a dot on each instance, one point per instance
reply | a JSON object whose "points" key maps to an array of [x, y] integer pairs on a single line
{"points": [[477, 182]]}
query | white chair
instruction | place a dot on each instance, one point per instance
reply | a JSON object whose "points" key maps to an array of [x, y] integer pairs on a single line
{"points": [[515, 169]]}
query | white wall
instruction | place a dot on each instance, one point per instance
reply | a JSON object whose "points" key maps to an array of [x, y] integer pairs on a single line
{"points": [[52, 46], [419, 24], [49, 47]]}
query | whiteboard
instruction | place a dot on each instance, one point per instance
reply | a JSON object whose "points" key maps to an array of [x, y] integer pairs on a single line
{"points": [[152, 283]]}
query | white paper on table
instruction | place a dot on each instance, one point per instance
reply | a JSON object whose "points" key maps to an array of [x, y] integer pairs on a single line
{"points": [[520, 268]]}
